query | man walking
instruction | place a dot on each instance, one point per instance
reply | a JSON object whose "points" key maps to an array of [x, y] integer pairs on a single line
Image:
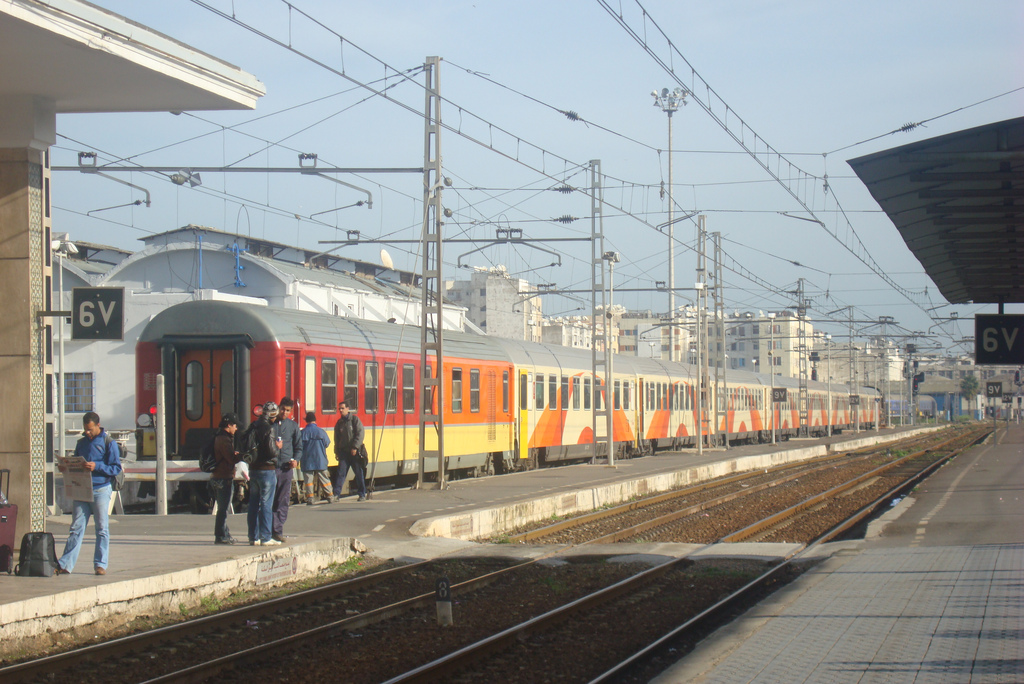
{"points": [[263, 478], [103, 458], [314, 460], [287, 430], [348, 440]]}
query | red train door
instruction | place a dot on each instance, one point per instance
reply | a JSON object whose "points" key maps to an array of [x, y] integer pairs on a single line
{"points": [[206, 390]]}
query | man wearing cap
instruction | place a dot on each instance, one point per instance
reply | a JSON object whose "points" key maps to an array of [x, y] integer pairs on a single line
{"points": [[263, 478]]}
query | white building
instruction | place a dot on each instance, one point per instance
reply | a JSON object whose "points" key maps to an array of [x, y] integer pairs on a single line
{"points": [[499, 304]]}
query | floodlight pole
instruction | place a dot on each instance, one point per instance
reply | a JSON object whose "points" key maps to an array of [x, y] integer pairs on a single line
{"points": [[669, 103], [771, 366]]}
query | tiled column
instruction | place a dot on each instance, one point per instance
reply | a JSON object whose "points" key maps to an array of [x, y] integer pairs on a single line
{"points": [[27, 129]]}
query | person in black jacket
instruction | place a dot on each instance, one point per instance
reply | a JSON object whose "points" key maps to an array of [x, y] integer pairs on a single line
{"points": [[348, 442], [222, 479], [263, 478]]}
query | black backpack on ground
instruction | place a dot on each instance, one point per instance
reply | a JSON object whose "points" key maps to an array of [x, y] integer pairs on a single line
{"points": [[208, 456], [38, 555]]}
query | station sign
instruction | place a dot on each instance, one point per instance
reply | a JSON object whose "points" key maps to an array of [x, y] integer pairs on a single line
{"points": [[993, 389], [97, 313], [998, 339], [779, 395]]}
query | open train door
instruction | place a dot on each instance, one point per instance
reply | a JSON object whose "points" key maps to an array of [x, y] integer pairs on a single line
{"points": [[206, 391]]}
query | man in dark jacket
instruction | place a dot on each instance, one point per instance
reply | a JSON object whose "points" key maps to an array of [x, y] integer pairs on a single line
{"points": [[348, 441], [222, 479], [263, 478], [103, 459], [287, 430], [314, 459]]}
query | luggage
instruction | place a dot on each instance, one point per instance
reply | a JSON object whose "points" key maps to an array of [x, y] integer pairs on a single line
{"points": [[38, 556], [6, 559], [8, 513]]}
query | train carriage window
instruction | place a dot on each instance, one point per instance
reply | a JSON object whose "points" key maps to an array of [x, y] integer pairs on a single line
{"points": [[504, 391], [352, 385], [329, 385], [408, 388], [538, 389], [370, 387], [428, 391], [627, 393], [552, 391], [617, 393], [390, 387], [586, 394], [194, 390], [456, 390], [564, 403], [309, 383], [524, 388], [650, 396], [672, 397], [474, 390], [575, 393], [227, 387]]}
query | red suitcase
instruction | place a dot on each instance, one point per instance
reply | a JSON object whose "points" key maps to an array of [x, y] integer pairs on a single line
{"points": [[8, 519]]}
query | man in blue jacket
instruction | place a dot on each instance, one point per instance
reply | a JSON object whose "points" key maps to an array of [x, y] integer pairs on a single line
{"points": [[314, 460], [291, 451], [103, 458]]}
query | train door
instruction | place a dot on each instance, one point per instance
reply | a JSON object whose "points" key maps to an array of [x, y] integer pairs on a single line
{"points": [[207, 391], [641, 426]]}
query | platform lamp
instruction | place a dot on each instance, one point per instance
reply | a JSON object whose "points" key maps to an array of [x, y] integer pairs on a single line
{"points": [[62, 247]]}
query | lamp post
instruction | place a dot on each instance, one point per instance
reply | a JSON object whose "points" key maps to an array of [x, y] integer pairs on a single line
{"points": [[828, 371], [61, 247], [612, 258], [771, 366], [669, 103]]}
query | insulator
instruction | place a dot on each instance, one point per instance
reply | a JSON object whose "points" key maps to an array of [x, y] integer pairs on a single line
{"points": [[571, 115], [564, 189], [565, 218]]}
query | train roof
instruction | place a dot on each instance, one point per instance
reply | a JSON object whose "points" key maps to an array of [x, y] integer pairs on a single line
{"points": [[211, 318]]}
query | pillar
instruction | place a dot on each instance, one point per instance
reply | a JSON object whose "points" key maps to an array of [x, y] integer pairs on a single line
{"points": [[27, 129]]}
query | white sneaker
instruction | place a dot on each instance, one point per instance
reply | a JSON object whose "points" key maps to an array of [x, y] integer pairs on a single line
{"points": [[272, 542], [255, 543]]}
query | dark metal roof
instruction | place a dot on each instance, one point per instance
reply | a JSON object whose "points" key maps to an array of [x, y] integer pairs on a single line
{"points": [[957, 202]]}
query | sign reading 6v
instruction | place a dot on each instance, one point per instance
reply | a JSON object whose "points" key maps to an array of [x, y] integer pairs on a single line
{"points": [[998, 339], [97, 313]]}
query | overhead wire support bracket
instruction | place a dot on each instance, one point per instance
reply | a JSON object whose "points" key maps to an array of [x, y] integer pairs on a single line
{"points": [[505, 236]]}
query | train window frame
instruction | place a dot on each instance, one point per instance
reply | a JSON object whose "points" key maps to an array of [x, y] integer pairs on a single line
{"points": [[474, 390], [575, 392], [586, 393], [371, 387], [504, 391], [598, 394], [538, 390], [191, 388], [428, 398], [617, 394], [564, 400], [672, 397], [524, 391], [227, 387], [626, 392], [408, 388], [350, 393], [391, 387], [325, 386], [456, 390], [553, 391], [309, 382]]}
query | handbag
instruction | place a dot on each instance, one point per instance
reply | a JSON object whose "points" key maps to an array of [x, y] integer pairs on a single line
{"points": [[117, 484]]}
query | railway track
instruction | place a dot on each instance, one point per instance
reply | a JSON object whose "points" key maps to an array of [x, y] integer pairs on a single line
{"points": [[511, 622]]}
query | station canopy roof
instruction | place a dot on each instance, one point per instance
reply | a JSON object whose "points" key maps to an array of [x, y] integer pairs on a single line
{"points": [[957, 202]]}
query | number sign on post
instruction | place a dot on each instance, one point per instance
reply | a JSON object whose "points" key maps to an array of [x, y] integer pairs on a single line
{"points": [[779, 395], [993, 389], [998, 339], [97, 313]]}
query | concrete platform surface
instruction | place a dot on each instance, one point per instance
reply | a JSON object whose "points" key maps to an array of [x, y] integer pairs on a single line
{"points": [[933, 596]]}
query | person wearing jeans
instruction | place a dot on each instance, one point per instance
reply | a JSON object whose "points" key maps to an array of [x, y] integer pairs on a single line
{"points": [[263, 478], [103, 458]]}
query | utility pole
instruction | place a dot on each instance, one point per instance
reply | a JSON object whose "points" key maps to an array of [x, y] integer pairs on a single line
{"points": [[432, 283], [721, 381], [801, 333], [669, 103], [702, 328], [599, 353]]}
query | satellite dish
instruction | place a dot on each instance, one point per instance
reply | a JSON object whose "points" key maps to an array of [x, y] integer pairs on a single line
{"points": [[385, 259]]}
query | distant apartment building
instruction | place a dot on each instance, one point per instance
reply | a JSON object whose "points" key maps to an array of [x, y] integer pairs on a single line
{"points": [[571, 331], [499, 304]]}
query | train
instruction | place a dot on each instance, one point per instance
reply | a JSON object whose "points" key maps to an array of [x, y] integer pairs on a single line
{"points": [[508, 404]]}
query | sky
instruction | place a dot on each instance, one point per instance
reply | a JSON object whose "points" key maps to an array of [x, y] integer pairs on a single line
{"points": [[813, 80]]}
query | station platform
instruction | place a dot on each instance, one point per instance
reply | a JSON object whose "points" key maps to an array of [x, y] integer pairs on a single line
{"points": [[932, 594], [165, 563]]}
